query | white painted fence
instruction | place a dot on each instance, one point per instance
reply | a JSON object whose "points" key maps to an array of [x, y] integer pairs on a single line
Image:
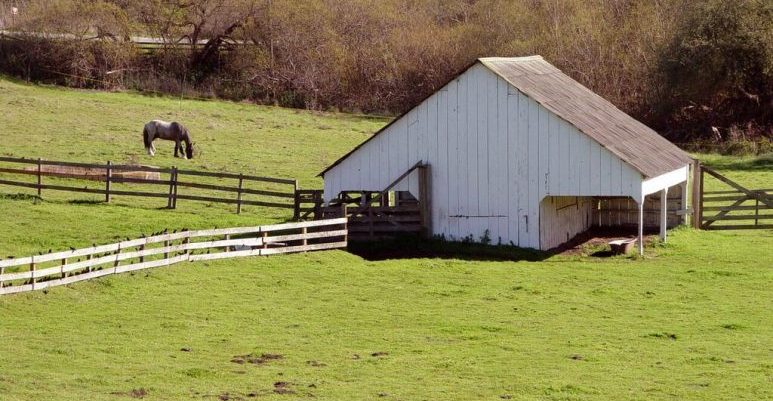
{"points": [[178, 247]]}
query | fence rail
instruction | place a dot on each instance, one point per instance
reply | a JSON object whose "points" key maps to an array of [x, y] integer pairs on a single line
{"points": [[174, 248], [274, 192]]}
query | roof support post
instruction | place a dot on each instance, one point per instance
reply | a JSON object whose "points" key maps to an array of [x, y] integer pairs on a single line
{"points": [[641, 226], [663, 213]]}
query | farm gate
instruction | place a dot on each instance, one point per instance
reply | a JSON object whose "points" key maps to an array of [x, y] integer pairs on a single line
{"points": [[734, 207]]}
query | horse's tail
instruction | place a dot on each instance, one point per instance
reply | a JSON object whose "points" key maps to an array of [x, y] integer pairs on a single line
{"points": [[146, 137]]}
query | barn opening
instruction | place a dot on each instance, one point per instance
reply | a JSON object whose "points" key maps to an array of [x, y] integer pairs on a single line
{"points": [[564, 218]]}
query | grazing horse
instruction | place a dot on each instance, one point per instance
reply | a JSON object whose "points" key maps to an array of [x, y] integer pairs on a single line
{"points": [[173, 131]]}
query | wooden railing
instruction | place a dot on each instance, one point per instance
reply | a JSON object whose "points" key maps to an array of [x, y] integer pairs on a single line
{"points": [[273, 192], [62, 268]]}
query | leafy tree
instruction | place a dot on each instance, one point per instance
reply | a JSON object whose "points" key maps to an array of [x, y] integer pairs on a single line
{"points": [[718, 71]]}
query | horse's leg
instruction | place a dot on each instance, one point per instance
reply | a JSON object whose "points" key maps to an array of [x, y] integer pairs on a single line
{"points": [[176, 147]]}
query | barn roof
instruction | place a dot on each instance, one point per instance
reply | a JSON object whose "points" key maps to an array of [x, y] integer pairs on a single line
{"points": [[630, 140]]}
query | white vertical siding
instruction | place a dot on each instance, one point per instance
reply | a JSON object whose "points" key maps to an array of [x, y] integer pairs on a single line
{"points": [[494, 155], [453, 163], [563, 217]]}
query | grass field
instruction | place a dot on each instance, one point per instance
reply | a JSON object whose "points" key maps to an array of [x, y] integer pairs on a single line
{"points": [[689, 321]]}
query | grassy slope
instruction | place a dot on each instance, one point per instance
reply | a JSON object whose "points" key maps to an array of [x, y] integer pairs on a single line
{"points": [[690, 321], [62, 124]]}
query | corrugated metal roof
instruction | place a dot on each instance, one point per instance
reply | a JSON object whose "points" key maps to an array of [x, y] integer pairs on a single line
{"points": [[630, 140]]}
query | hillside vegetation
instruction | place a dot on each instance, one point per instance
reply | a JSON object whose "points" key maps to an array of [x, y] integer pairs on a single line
{"points": [[690, 321], [694, 70]]}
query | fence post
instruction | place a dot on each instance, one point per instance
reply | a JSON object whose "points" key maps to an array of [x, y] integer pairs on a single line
{"points": [[756, 211], [318, 199], [142, 257], [370, 223], [187, 241], [2, 271], [346, 222], [115, 264], [174, 195], [108, 175], [40, 179], [227, 247], [61, 268], [239, 195], [32, 271], [697, 194], [297, 205], [264, 235], [166, 245], [171, 188], [700, 198]]}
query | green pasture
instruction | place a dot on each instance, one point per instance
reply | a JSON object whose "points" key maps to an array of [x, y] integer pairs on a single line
{"points": [[691, 320]]}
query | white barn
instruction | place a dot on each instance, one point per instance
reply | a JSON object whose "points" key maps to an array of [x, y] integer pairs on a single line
{"points": [[516, 150]]}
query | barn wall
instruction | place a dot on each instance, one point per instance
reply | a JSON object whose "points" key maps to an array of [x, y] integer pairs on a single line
{"points": [[563, 217], [493, 152]]}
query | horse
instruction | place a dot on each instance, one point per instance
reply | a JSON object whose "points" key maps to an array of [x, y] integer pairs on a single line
{"points": [[174, 131]]}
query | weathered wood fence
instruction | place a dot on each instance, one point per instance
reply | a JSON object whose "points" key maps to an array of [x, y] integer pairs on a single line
{"points": [[736, 208], [62, 268], [269, 191]]}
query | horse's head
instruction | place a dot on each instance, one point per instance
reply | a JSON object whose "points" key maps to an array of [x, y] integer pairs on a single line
{"points": [[185, 135]]}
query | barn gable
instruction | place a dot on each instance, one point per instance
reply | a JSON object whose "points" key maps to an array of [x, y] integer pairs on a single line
{"points": [[495, 152]]}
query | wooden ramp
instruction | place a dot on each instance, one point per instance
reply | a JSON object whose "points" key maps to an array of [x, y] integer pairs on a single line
{"points": [[62, 268]]}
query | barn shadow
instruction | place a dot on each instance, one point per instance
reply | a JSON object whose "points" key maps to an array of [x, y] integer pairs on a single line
{"points": [[593, 243], [414, 247]]}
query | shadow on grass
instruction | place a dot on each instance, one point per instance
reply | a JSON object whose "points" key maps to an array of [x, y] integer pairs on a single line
{"points": [[21, 197], [592, 243], [85, 202], [412, 247]]}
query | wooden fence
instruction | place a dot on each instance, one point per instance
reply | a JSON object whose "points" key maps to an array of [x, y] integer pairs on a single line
{"points": [[375, 215], [59, 268], [736, 208], [281, 194]]}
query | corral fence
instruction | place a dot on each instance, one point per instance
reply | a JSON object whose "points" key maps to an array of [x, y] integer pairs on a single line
{"points": [[61, 268], [171, 184], [371, 215], [733, 208], [375, 215]]}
